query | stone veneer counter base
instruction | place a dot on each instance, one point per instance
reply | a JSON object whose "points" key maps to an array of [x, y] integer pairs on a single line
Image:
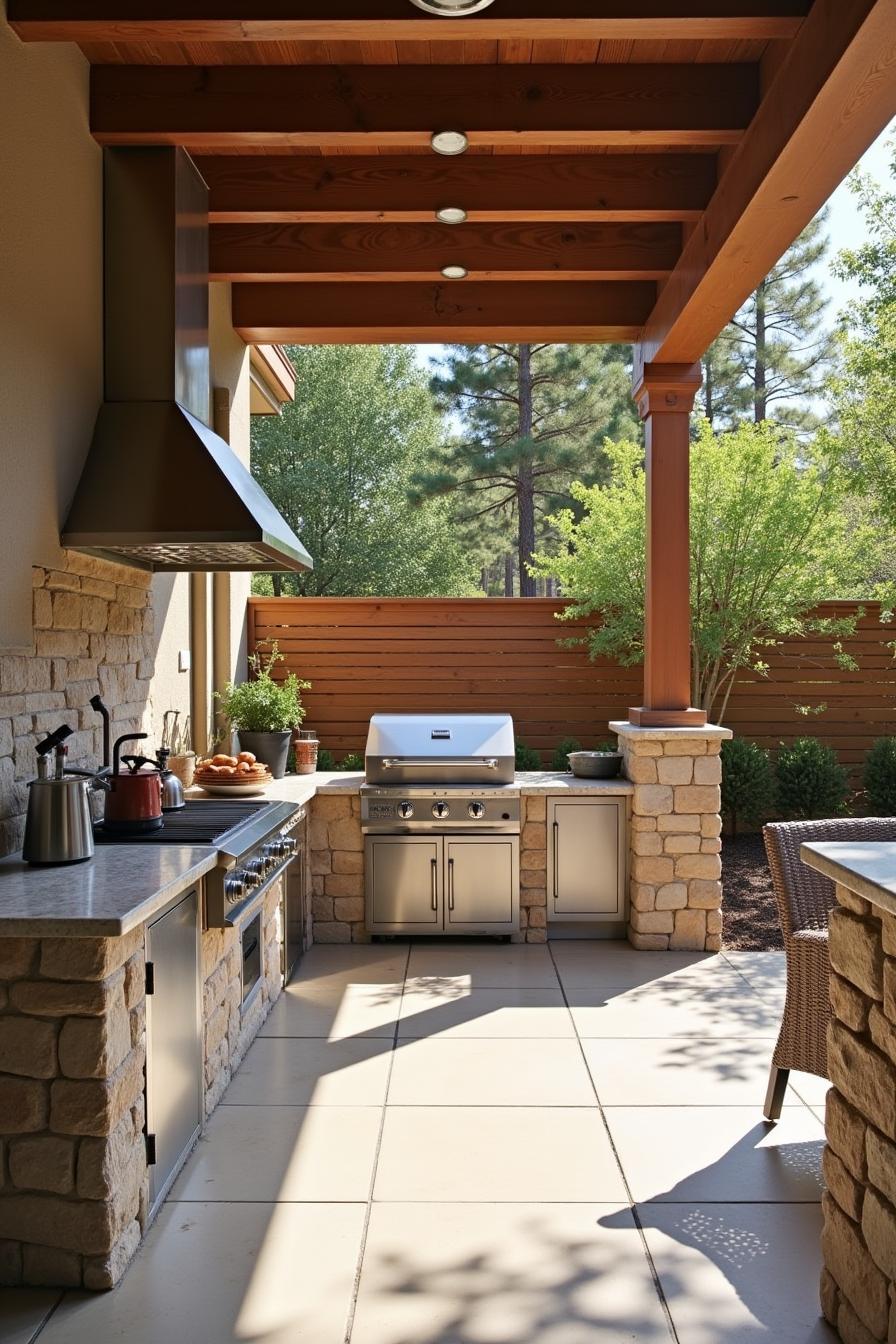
{"points": [[858, 1283]]}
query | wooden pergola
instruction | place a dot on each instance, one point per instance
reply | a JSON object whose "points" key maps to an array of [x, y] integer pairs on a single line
{"points": [[634, 168]]}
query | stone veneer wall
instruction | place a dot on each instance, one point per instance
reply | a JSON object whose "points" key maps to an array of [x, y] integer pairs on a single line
{"points": [[73, 1182], [675, 885], [858, 1284], [534, 868], [93, 631], [228, 1032], [337, 869]]}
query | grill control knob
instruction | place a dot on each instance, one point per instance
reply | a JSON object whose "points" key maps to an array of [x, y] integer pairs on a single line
{"points": [[234, 888], [476, 811], [288, 846], [254, 873], [271, 855], [405, 811], [440, 811]]}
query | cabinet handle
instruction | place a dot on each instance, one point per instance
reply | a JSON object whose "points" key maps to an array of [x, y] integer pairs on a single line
{"points": [[450, 884], [556, 838], [433, 897]]}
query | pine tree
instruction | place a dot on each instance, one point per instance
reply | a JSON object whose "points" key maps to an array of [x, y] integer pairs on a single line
{"points": [[532, 419], [774, 356]]}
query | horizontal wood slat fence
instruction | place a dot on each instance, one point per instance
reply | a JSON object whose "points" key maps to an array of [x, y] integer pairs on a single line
{"points": [[485, 654]]}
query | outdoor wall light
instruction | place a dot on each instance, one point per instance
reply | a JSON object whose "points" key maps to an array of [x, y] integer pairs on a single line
{"points": [[454, 272], [449, 142], [451, 214], [451, 9]]}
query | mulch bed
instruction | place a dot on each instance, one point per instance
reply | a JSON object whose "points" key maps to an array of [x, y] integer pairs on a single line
{"points": [[749, 913]]}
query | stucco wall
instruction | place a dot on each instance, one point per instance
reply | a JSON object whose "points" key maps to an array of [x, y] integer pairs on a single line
{"points": [[50, 309]]}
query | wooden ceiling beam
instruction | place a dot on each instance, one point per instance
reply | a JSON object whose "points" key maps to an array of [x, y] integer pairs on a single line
{"points": [[287, 188], [397, 252], [396, 20], [833, 94], [463, 310], [338, 106]]}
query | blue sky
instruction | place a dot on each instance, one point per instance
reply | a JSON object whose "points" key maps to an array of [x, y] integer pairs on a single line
{"points": [[844, 225]]}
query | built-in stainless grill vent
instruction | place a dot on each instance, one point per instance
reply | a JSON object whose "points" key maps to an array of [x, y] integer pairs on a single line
{"points": [[440, 749]]}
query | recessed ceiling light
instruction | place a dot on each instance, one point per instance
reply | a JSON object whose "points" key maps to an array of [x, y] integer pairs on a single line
{"points": [[451, 9], [451, 214], [454, 272], [449, 142]]}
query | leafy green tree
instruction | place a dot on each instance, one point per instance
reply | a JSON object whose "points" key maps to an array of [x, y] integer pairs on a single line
{"points": [[810, 781], [774, 356], [768, 543], [338, 463], [865, 393], [879, 777], [531, 419]]}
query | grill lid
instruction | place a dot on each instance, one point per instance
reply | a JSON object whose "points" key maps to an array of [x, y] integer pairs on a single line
{"points": [[440, 749]]}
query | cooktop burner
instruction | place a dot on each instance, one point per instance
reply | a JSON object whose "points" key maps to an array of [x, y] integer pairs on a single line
{"points": [[196, 823]]}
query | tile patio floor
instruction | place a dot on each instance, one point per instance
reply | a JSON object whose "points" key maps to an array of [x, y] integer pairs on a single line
{"points": [[487, 1144]]}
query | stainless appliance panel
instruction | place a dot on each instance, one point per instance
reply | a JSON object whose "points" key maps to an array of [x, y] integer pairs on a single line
{"points": [[174, 1066], [294, 911], [482, 883], [586, 858], [440, 748], [403, 882]]}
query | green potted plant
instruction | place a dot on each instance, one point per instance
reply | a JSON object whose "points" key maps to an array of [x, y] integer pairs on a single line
{"points": [[264, 712]]}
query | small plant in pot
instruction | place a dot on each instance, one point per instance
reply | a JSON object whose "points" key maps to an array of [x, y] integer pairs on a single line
{"points": [[263, 712]]}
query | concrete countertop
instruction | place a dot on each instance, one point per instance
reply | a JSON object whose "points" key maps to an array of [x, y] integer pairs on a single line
{"points": [[121, 887], [868, 870]]}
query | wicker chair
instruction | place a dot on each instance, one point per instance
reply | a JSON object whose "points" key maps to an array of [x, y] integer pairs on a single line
{"points": [[805, 899]]}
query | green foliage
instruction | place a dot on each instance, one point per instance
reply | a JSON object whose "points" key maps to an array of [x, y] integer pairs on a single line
{"points": [[748, 787], [338, 463], [865, 393], [769, 541], [527, 758], [879, 777], [772, 358], [560, 759], [263, 705], [810, 781], [531, 418], [352, 760], [325, 759]]}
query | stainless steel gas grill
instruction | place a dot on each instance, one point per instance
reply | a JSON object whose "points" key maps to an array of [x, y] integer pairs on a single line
{"points": [[441, 823]]}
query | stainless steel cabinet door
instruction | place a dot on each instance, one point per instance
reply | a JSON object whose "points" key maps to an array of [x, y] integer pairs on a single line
{"points": [[174, 1072], [586, 860], [403, 883], [482, 883]]}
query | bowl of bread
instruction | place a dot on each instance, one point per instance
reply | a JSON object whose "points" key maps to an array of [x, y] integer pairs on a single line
{"points": [[226, 776]]}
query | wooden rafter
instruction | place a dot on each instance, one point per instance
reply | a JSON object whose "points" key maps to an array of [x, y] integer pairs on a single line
{"points": [[394, 252], [338, 106], [395, 20], [833, 94], [453, 310], [286, 188]]}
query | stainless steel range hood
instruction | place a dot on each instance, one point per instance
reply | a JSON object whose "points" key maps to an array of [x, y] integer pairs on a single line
{"points": [[159, 489]]}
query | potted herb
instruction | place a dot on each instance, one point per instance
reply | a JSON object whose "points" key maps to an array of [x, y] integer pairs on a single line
{"points": [[264, 712]]}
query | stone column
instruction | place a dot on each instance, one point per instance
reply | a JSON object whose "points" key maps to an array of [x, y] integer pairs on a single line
{"points": [[858, 1283], [675, 867]]}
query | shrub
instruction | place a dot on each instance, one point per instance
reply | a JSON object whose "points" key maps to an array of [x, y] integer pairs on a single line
{"points": [[527, 758], [560, 761], [748, 787], [880, 777], [811, 782], [352, 760], [325, 759]]}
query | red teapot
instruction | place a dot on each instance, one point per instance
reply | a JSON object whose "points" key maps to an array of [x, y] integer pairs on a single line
{"points": [[133, 791]]}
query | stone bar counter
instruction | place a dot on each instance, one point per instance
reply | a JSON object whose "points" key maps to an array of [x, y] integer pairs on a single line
{"points": [[858, 1287]]}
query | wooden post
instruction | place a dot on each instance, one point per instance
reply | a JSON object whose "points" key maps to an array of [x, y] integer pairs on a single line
{"points": [[665, 396]]}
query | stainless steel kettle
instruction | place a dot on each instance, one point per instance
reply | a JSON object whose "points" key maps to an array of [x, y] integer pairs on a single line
{"points": [[59, 825], [173, 797]]}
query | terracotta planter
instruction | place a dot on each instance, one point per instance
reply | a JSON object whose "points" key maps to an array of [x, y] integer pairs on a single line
{"points": [[305, 745]]}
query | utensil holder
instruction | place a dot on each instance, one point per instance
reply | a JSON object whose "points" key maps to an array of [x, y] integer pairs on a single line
{"points": [[184, 767]]}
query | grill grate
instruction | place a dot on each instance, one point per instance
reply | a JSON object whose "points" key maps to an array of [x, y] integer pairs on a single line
{"points": [[198, 823]]}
